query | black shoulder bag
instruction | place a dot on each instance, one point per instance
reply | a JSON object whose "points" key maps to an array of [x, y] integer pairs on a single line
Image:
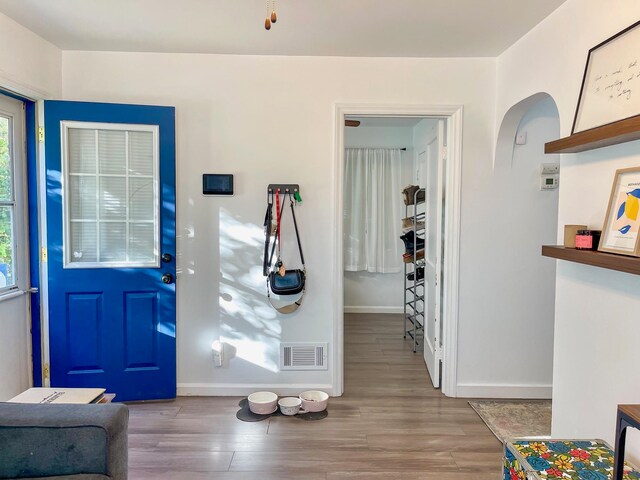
{"points": [[293, 281]]}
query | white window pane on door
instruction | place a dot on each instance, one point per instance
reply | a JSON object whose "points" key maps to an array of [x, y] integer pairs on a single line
{"points": [[141, 242], [6, 193], [113, 198], [113, 242], [82, 197], [112, 152], [141, 153], [84, 247], [141, 198], [7, 274], [82, 150]]}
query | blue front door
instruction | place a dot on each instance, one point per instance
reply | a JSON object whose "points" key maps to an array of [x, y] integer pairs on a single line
{"points": [[110, 181]]}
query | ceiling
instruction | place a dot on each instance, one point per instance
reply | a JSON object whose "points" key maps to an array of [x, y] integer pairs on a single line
{"points": [[367, 28]]}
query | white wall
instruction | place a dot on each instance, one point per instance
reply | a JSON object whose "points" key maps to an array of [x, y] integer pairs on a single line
{"points": [[366, 292], [596, 325], [272, 119], [15, 368], [28, 63], [525, 219], [31, 66]]}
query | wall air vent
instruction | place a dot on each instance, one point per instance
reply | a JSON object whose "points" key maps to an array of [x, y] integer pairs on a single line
{"points": [[303, 356]]}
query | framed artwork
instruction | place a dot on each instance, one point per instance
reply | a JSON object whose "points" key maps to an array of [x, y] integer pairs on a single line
{"points": [[622, 223], [611, 83]]}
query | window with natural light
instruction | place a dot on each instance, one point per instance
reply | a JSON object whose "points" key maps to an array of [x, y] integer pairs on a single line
{"points": [[111, 190], [7, 208]]}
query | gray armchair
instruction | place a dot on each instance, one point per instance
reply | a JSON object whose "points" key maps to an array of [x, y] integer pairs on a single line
{"points": [[83, 442]]}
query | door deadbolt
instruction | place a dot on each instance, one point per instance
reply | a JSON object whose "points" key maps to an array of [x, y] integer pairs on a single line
{"points": [[167, 278]]}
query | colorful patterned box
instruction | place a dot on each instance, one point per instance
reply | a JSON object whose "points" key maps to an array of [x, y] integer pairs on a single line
{"points": [[561, 459]]}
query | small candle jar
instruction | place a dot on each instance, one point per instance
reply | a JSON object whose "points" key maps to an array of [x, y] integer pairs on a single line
{"points": [[587, 239]]}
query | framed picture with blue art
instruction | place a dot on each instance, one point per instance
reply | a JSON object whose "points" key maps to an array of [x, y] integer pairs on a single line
{"points": [[620, 233]]}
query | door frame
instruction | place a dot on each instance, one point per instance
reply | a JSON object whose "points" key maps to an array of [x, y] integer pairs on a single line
{"points": [[33, 98], [453, 115]]}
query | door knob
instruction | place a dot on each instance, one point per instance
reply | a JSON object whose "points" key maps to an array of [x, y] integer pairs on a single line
{"points": [[166, 257], [167, 278]]}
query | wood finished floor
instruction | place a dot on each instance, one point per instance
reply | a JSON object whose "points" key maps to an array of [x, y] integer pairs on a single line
{"points": [[390, 424]]}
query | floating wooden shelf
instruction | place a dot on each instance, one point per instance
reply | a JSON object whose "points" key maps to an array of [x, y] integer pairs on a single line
{"points": [[611, 261], [604, 136]]}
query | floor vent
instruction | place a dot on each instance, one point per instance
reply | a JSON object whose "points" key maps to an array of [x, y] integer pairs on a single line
{"points": [[303, 356]]}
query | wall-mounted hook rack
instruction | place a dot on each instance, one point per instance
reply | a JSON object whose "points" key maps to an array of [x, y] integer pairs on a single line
{"points": [[284, 188]]}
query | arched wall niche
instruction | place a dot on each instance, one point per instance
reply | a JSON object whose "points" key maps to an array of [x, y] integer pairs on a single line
{"points": [[511, 122], [523, 217]]}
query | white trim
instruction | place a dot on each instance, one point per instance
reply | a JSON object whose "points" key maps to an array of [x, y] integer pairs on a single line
{"points": [[244, 389], [42, 229], [10, 84], [11, 293], [504, 391], [451, 267], [453, 115], [14, 111], [370, 309], [136, 127]]}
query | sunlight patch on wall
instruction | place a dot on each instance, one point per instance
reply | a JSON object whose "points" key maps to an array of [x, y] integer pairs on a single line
{"points": [[247, 322]]}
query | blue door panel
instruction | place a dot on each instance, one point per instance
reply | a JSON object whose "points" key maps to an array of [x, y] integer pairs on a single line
{"points": [[140, 325], [84, 332], [112, 328]]}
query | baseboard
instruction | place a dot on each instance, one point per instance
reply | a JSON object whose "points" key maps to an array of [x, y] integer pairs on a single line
{"points": [[373, 310], [504, 391], [242, 390]]}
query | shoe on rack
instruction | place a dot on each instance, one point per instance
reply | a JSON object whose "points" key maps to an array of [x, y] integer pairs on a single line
{"points": [[410, 257], [408, 224], [411, 241], [420, 274], [409, 193]]}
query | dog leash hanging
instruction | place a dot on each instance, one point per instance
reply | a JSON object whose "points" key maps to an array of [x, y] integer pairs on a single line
{"points": [[279, 265], [269, 261], [295, 225], [268, 220]]}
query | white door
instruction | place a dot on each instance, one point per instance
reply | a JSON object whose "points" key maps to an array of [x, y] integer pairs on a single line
{"points": [[434, 184], [15, 320]]}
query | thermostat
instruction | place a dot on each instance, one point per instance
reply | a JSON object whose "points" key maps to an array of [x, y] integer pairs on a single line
{"points": [[217, 184], [548, 182]]}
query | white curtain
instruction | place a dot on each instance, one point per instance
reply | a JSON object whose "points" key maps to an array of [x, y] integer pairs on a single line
{"points": [[372, 210]]}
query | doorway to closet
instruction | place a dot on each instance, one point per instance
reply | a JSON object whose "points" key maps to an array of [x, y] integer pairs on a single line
{"points": [[394, 212]]}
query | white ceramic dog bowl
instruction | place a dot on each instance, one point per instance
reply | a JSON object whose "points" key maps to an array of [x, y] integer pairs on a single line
{"points": [[314, 400], [289, 405], [263, 403]]}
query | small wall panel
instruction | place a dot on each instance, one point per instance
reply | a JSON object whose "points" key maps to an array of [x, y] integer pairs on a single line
{"points": [[84, 319], [141, 322]]}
